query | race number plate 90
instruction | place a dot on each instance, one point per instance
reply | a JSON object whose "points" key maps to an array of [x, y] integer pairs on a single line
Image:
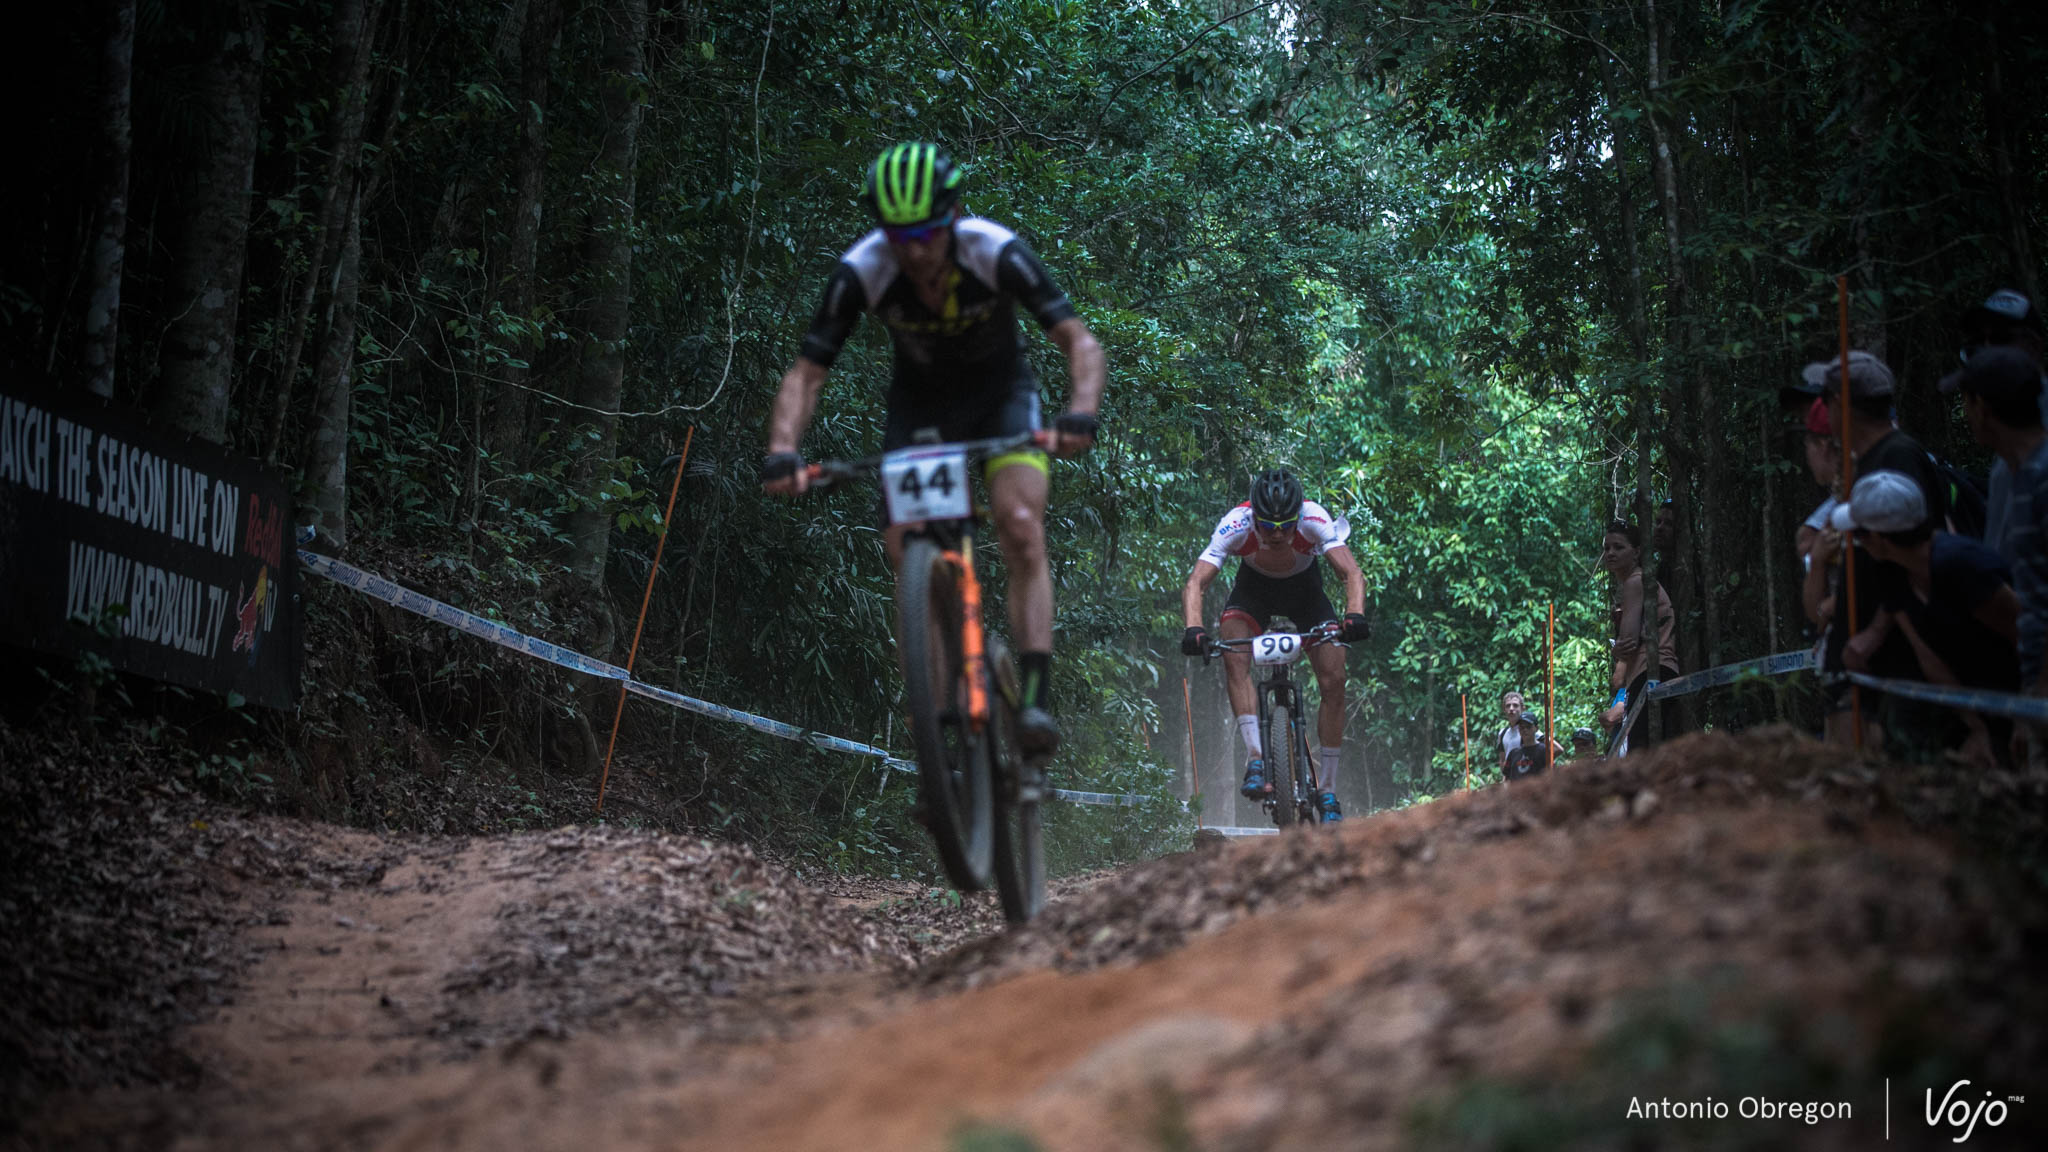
{"points": [[925, 484], [1276, 648]]}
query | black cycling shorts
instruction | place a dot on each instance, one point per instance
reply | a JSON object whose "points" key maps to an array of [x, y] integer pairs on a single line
{"points": [[1007, 415], [1002, 414], [1299, 597]]}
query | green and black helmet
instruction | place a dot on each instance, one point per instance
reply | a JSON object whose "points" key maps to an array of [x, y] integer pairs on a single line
{"points": [[913, 183]]}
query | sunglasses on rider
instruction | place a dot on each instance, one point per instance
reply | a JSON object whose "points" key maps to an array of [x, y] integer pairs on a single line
{"points": [[915, 232], [1276, 525]]}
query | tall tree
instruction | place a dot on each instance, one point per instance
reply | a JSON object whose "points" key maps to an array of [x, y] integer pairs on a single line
{"points": [[608, 271], [206, 278], [110, 234], [520, 292]]}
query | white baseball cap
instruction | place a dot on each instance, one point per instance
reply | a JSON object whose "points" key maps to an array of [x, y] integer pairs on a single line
{"points": [[1884, 501]]}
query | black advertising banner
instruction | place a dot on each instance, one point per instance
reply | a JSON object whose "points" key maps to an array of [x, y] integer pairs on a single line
{"points": [[164, 554]]}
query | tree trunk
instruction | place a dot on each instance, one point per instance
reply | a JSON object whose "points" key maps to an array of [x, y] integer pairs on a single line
{"points": [[349, 71], [1998, 135], [110, 238], [608, 265], [521, 293], [199, 347], [1680, 426], [325, 459]]}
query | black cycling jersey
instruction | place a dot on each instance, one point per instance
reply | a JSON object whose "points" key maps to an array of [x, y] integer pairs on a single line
{"points": [[971, 342]]}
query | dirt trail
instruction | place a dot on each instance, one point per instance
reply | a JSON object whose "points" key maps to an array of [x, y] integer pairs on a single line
{"points": [[1724, 917]]}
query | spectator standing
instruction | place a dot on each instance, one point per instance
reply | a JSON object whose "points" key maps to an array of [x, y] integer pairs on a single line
{"points": [[2001, 388], [1509, 737], [1621, 553], [1582, 744], [1530, 757], [1865, 430], [2005, 319], [1955, 609]]}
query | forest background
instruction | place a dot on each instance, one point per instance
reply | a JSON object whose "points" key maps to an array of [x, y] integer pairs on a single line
{"points": [[1485, 274]]}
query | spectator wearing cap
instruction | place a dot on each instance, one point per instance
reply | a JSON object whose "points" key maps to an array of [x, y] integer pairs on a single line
{"points": [[1583, 744], [1866, 431], [2006, 319], [2001, 387], [1530, 757], [1510, 735], [1621, 554], [1955, 608]]}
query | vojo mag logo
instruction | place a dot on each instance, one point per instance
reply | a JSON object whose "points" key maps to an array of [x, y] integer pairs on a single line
{"points": [[1958, 1112]]}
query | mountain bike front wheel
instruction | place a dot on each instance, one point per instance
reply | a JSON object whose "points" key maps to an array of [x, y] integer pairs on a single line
{"points": [[952, 758], [1282, 754]]}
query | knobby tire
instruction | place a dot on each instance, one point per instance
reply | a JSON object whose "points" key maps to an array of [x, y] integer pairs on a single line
{"points": [[952, 760], [1278, 739], [1019, 832]]}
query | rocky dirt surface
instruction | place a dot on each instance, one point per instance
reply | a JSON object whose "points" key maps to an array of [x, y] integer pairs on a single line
{"points": [[1753, 918]]}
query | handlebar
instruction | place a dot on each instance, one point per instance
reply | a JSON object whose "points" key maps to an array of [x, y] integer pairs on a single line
{"points": [[827, 473], [1324, 633]]}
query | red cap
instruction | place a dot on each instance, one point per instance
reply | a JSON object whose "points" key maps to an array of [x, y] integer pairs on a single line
{"points": [[1817, 423]]}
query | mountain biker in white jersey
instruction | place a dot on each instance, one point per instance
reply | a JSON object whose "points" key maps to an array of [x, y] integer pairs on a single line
{"points": [[946, 286], [1279, 534]]}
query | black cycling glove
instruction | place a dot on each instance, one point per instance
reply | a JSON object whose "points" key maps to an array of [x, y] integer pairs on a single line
{"points": [[1077, 424], [1355, 629], [1194, 641], [780, 465]]}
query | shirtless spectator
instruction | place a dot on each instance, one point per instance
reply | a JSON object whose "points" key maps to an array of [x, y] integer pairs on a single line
{"points": [[1955, 609], [1621, 554]]}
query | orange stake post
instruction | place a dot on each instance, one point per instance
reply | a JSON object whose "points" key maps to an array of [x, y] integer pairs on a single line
{"points": [[1465, 722], [647, 597], [1848, 482], [1194, 771]]}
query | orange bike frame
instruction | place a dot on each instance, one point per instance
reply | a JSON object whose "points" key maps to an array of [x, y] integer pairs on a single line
{"points": [[971, 639]]}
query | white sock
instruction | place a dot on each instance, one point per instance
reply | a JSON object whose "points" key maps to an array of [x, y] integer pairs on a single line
{"points": [[1327, 760], [1248, 731]]}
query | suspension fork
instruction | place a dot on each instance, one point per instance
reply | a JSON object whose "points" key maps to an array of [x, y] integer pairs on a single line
{"points": [[973, 643]]}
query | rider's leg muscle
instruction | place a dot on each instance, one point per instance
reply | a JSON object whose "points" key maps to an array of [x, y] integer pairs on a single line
{"points": [[1328, 661], [1017, 496]]}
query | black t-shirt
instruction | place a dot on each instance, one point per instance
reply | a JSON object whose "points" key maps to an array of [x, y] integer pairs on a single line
{"points": [[1964, 575], [971, 342], [1528, 760], [1898, 452]]}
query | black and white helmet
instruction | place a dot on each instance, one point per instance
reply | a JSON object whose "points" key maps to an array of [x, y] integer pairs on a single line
{"points": [[1276, 496]]}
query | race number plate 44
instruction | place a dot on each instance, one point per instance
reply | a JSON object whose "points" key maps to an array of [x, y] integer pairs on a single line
{"points": [[926, 484], [1277, 648]]}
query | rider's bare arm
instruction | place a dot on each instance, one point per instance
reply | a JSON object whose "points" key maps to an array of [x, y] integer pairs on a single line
{"points": [[1191, 596], [795, 401], [1346, 565], [1087, 368]]}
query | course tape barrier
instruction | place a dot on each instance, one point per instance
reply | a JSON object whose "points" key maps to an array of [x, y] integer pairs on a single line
{"points": [[505, 636], [1777, 665], [2034, 708]]}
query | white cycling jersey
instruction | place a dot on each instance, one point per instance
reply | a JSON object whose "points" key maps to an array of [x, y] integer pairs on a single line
{"points": [[1314, 534]]}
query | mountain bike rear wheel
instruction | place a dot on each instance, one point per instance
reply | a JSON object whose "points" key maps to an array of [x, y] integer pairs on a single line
{"points": [[1019, 833], [952, 759]]}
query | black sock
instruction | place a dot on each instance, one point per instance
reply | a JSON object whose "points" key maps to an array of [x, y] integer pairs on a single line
{"points": [[1036, 668]]}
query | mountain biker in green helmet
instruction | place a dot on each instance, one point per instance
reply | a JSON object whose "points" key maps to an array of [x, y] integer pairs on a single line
{"points": [[946, 286]]}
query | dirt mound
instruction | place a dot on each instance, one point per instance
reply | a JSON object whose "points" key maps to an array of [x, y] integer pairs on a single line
{"points": [[1726, 917]]}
